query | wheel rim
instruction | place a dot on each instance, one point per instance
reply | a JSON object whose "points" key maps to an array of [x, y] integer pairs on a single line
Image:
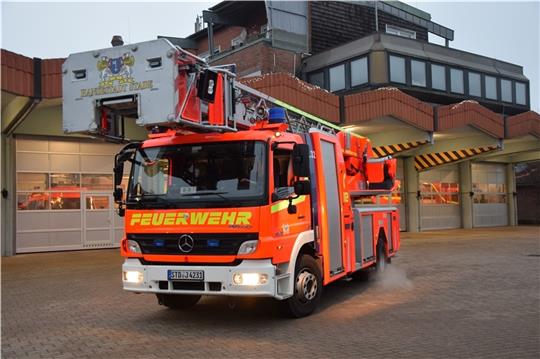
{"points": [[306, 285]]}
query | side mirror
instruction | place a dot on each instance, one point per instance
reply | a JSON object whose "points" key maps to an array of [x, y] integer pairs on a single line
{"points": [[282, 193], [300, 158], [302, 187], [118, 194], [118, 173], [206, 87]]}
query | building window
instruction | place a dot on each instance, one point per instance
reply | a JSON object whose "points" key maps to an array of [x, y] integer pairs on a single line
{"points": [[397, 69], [32, 181], [456, 81], [506, 90], [337, 78], [399, 31], [521, 97], [316, 79], [66, 181], [490, 84], [475, 88], [359, 72], [97, 182], [438, 77], [418, 73]]}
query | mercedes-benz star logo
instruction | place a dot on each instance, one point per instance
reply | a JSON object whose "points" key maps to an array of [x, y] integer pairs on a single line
{"points": [[186, 243]]}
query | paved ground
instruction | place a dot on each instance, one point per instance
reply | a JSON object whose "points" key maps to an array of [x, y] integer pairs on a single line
{"points": [[452, 294]]}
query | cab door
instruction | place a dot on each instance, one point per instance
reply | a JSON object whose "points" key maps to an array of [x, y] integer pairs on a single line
{"points": [[329, 169]]}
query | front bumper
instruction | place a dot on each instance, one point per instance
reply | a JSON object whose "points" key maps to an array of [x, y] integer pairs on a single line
{"points": [[218, 280]]}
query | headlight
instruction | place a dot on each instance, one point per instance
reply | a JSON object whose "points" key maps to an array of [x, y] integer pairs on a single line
{"points": [[249, 278], [248, 247], [133, 276], [133, 247]]}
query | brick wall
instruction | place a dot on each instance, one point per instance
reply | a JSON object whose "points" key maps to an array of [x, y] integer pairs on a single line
{"points": [[336, 22], [260, 57]]}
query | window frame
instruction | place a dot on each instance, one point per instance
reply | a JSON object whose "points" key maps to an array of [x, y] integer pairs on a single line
{"points": [[405, 69], [425, 72]]}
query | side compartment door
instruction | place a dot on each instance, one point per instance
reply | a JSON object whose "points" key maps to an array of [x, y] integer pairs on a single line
{"points": [[330, 216]]}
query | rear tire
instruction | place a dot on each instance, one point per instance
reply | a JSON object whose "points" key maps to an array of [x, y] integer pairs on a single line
{"points": [[307, 288], [178, 301], [382, 261]]}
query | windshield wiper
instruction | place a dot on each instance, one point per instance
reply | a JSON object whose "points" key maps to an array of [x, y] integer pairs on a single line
{"points": [[152, 198], [219, 194]]}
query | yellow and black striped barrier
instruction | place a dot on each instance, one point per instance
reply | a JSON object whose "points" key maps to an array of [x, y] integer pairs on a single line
{"points": [[429, 160], [392, 150]]}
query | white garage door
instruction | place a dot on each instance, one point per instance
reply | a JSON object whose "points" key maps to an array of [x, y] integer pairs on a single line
{"points": [[490, 206], [439, 198], [64, 195]]}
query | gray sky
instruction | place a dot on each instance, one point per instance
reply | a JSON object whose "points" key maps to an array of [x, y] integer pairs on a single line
{"points": [[507, 31]]}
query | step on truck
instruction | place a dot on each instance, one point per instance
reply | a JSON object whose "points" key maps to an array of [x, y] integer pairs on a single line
{"points": [[234, 193]]}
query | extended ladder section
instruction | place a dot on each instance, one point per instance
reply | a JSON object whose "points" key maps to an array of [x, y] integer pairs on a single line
{"points": [[160, 87]]}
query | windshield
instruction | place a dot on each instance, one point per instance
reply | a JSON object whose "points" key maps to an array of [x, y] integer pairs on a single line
{"points": [[199, 175]]}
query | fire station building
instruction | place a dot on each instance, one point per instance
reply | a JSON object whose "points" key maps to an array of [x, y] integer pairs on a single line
{"points": [[460, 124]]}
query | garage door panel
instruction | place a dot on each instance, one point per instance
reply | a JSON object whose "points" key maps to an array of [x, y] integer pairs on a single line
{"points": [[63, 146], [97, 163], [64, 163], [99, 148], [28, 241], [32, 162], [65, 220], [31, 221], [32, 145], [66, 238], [97, 219]]}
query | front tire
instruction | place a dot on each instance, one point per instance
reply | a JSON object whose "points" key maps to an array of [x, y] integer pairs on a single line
{"points": [[307, 288], [178, 301]]}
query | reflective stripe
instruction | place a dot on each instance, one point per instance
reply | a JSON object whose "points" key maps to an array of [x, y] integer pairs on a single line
{"points": [[284, 204]]}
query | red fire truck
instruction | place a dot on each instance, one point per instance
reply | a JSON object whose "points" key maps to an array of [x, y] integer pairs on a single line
{"points": [[234, 193]]}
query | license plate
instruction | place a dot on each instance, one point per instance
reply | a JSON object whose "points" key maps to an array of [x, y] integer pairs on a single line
{"points": [[194, 275]]}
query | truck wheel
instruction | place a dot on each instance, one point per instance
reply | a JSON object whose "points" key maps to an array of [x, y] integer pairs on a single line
{"points": [[178, 301], [382, 261], [307, 288]]}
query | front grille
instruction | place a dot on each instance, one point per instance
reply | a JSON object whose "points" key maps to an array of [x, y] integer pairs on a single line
{"points": [[188, 285], [204, 243]]}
